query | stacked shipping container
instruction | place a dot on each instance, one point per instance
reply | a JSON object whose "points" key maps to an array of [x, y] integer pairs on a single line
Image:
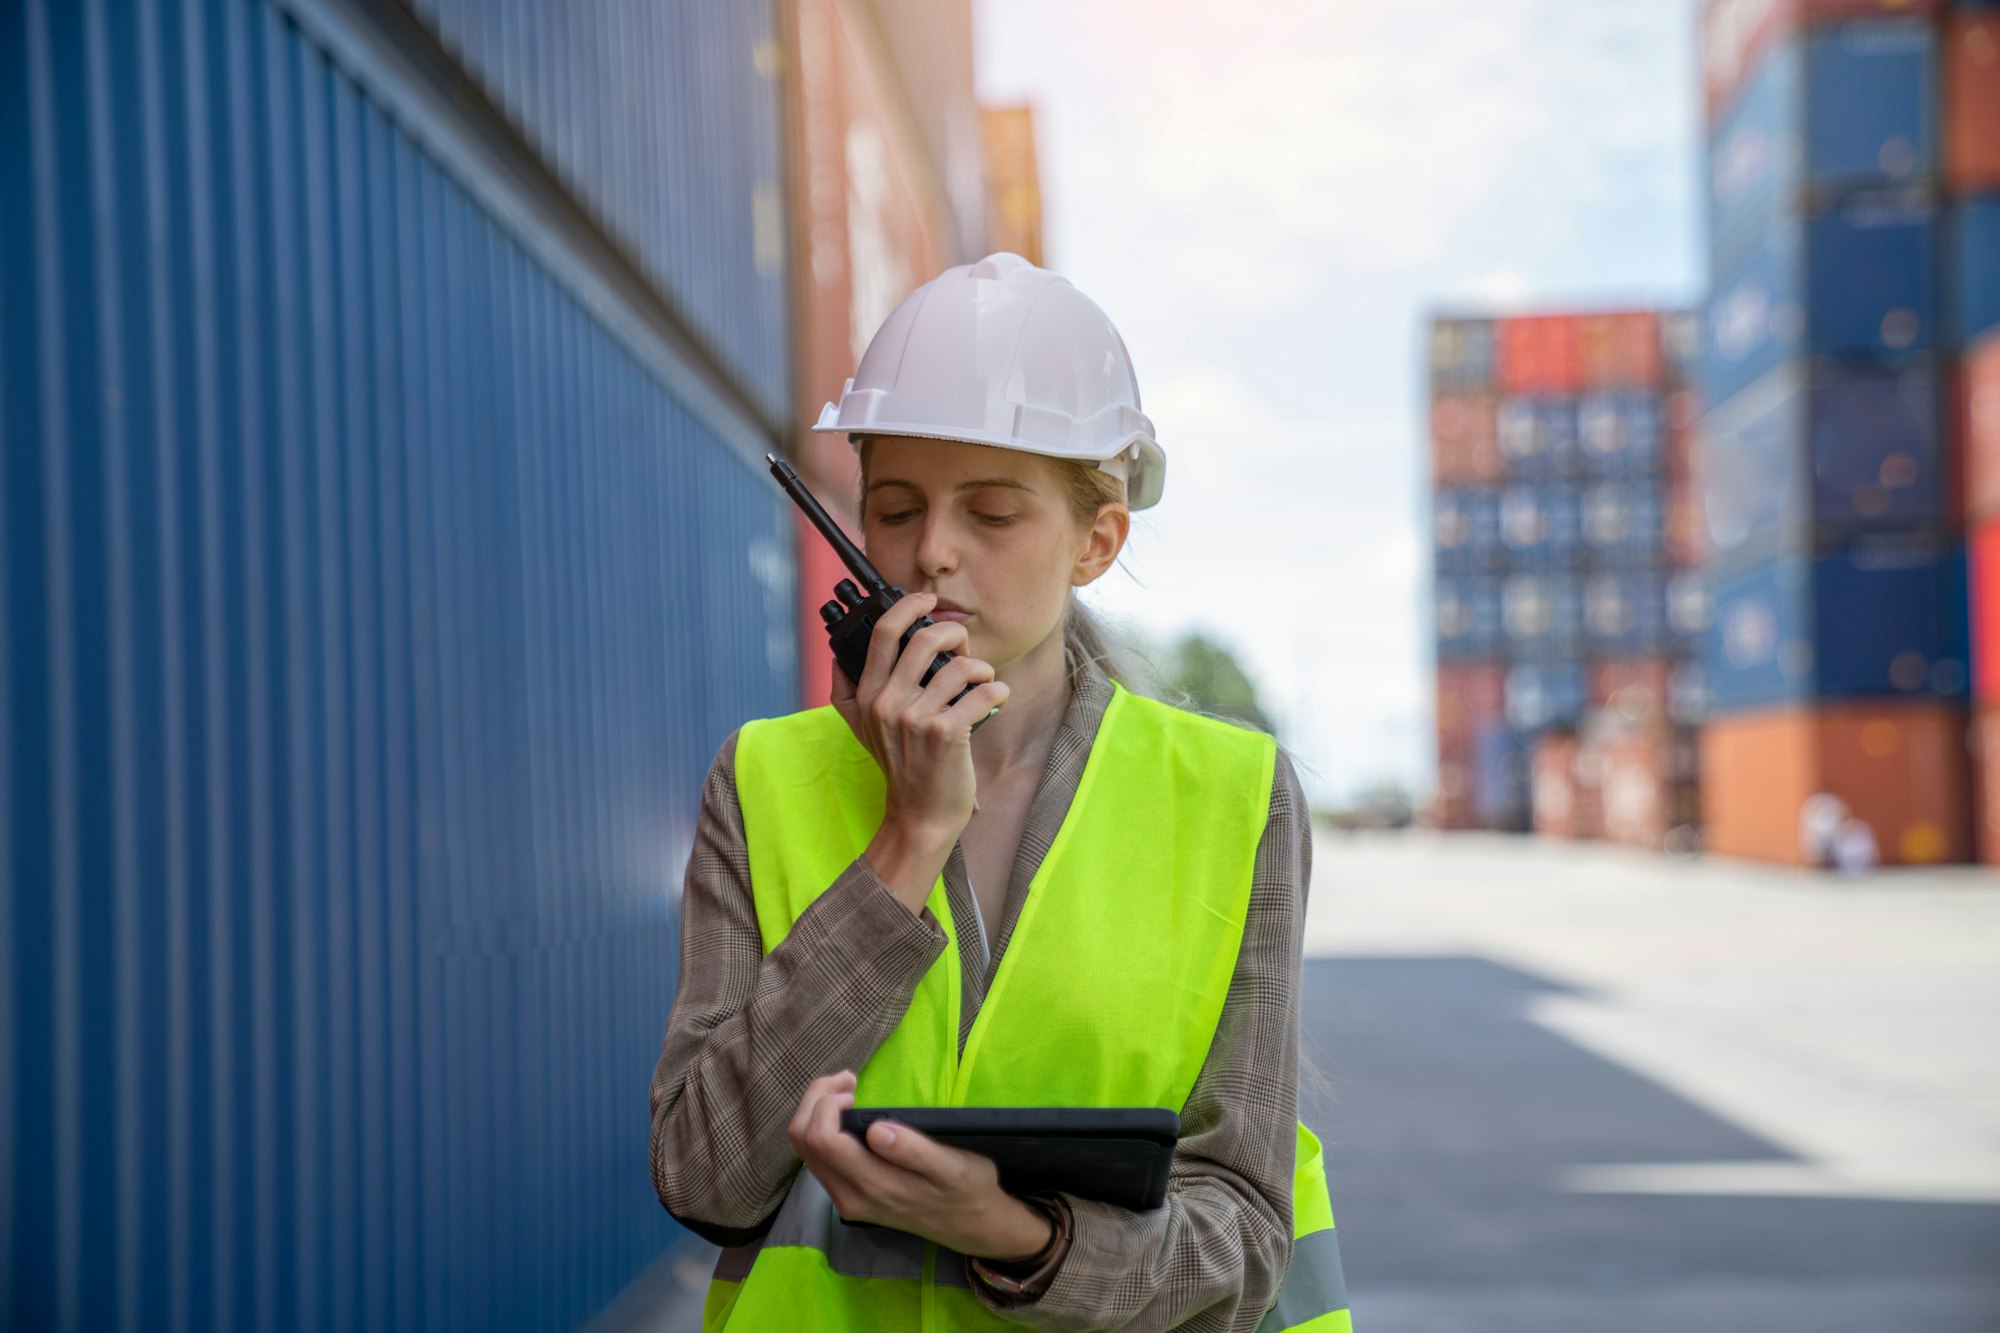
{"points": [[385, 553], [1558, 459], [1849, 250]]}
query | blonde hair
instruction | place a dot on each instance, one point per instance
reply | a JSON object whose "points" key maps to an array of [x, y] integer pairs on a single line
{"points": [[1087, 488]]}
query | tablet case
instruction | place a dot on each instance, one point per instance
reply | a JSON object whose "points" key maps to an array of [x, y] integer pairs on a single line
{"points": [[1115, 1154]]}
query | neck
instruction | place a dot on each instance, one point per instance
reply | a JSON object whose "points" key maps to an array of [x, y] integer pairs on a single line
{"points": [[1037, 697]]}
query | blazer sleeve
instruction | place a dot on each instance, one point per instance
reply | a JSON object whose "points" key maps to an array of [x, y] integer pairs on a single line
{"points": [[747, 1032], [1213, 1257]]}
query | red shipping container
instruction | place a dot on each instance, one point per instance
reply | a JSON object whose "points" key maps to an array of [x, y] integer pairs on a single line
{"points": [[1620, 351], [1686, 527], [1978, 428], [1564, 795], [1465, 449], [1982, 560], [1647, 785], [1735, 34], [1682, 418], [1986, 784], [1540, 354], [1972, 102], [1634, 689], [1453, 805], [1469, 695], [1900, 766]]}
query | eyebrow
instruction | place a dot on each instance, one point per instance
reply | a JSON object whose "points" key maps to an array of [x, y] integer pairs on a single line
{"points": [[1007, 482]]}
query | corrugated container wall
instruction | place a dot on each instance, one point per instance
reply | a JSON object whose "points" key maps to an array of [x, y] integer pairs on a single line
{"points": [[663, 122], [373, 598]]}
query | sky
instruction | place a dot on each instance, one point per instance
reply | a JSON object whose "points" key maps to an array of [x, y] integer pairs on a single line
{"points": [[1269, 203]]}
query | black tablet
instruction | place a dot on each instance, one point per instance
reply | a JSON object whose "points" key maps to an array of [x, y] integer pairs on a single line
{"points": [[1115, 1154]]}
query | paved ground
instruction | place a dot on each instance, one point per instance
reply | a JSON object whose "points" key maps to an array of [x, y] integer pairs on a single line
{"points": [[1576, 1089], [1584, 1089]]}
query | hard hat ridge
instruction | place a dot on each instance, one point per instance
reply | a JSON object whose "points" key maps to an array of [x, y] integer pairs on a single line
{"points": [[1004, 353]]}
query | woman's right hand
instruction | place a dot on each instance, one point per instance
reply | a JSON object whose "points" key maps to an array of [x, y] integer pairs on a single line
{"points": [[921, 740]]}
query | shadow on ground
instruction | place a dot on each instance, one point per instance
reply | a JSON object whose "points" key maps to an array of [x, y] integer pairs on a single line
{"points": [[1448, 1118]]}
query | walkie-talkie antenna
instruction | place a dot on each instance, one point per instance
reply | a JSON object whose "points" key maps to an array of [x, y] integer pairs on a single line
{"points": [[850, 554]]}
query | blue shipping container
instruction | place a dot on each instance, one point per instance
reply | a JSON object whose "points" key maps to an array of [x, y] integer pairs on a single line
{"points": [[1465, 526], [1540, 526], [1858, 282], [1541, 695], [375, 590], [666, 124], [1538, 437], [1852, 105], [1625, 612], [1500, 780], [1884, 617], [1468, 617], [1622, 524], [1819, 448], [1622, 434], [1975, 280], [1541, 615]]}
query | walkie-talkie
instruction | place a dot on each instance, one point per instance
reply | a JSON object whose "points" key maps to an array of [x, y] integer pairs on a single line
{"points": [[850, 620]]}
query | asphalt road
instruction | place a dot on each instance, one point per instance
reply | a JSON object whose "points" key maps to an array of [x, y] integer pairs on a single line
{"points": [[1450, 1119]]}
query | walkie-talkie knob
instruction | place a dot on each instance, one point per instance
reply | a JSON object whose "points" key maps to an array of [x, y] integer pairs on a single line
{"points": [[832, 613], [848, 593]]}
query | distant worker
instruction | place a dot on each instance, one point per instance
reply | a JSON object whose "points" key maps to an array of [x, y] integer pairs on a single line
{"points": [[1115, 921], [1819, 816], [1852, 848]]}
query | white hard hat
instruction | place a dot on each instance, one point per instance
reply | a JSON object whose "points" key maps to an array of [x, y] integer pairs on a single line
{"points": [[1004, 353]]}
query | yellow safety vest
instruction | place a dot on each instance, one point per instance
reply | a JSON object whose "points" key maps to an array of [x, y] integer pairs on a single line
{"points": [[1162, 832]]}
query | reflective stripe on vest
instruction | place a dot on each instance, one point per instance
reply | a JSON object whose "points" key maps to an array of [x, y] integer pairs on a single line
{"points": [[1108, 995]]}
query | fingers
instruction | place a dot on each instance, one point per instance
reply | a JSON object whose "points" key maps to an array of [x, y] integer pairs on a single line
{"points": [[883, 638], [899, 1145], [975, 705], [906, 677]]}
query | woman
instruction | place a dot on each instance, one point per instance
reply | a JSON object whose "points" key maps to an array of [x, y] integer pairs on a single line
{"points": [[863, 871]]}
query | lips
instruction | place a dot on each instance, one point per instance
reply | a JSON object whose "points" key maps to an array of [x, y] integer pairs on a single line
{"points": [[946, 609]]}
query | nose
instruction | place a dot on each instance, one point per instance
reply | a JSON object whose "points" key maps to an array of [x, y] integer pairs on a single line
{"points": [[937, 546]]}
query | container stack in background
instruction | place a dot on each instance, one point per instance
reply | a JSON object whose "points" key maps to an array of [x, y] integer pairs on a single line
{"points": [[1851, 257], [1564, 604]]}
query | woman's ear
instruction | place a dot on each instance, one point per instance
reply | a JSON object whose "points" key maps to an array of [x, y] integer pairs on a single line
{"points": [[1102, 543]]}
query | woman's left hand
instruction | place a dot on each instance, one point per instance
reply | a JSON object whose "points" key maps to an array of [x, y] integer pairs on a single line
{"points": [[907, 1180]]}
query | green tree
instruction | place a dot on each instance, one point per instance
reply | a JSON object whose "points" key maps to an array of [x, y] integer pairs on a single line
{"points": [[1204, 675]]}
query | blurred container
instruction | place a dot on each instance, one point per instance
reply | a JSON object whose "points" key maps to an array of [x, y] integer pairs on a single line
{"points": [[1690, 608], [1468, 617], [1539, 354], [1464, 448], [1564, 795], [1975, 278], [1902, 767], [1817, 446], [1544, 694], [1680, 345], [1465, 527], [1983, 585], [1632, 688], [1454, 806], [1500, 780], [1461, 356], [1620, 350], [1686, 531], [1858, 281], [1648, 779], [1013, 181], [1470, 695], [1541, 527], [1736, 34], [1883, 616], [1979, 427], [1622, 433], [1849, 106], [1986, 783], [1681, 418], [1625, 612], [1689, 702], [1541, 615], [1972, 101], [1538, 437], [1622, 524]]}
